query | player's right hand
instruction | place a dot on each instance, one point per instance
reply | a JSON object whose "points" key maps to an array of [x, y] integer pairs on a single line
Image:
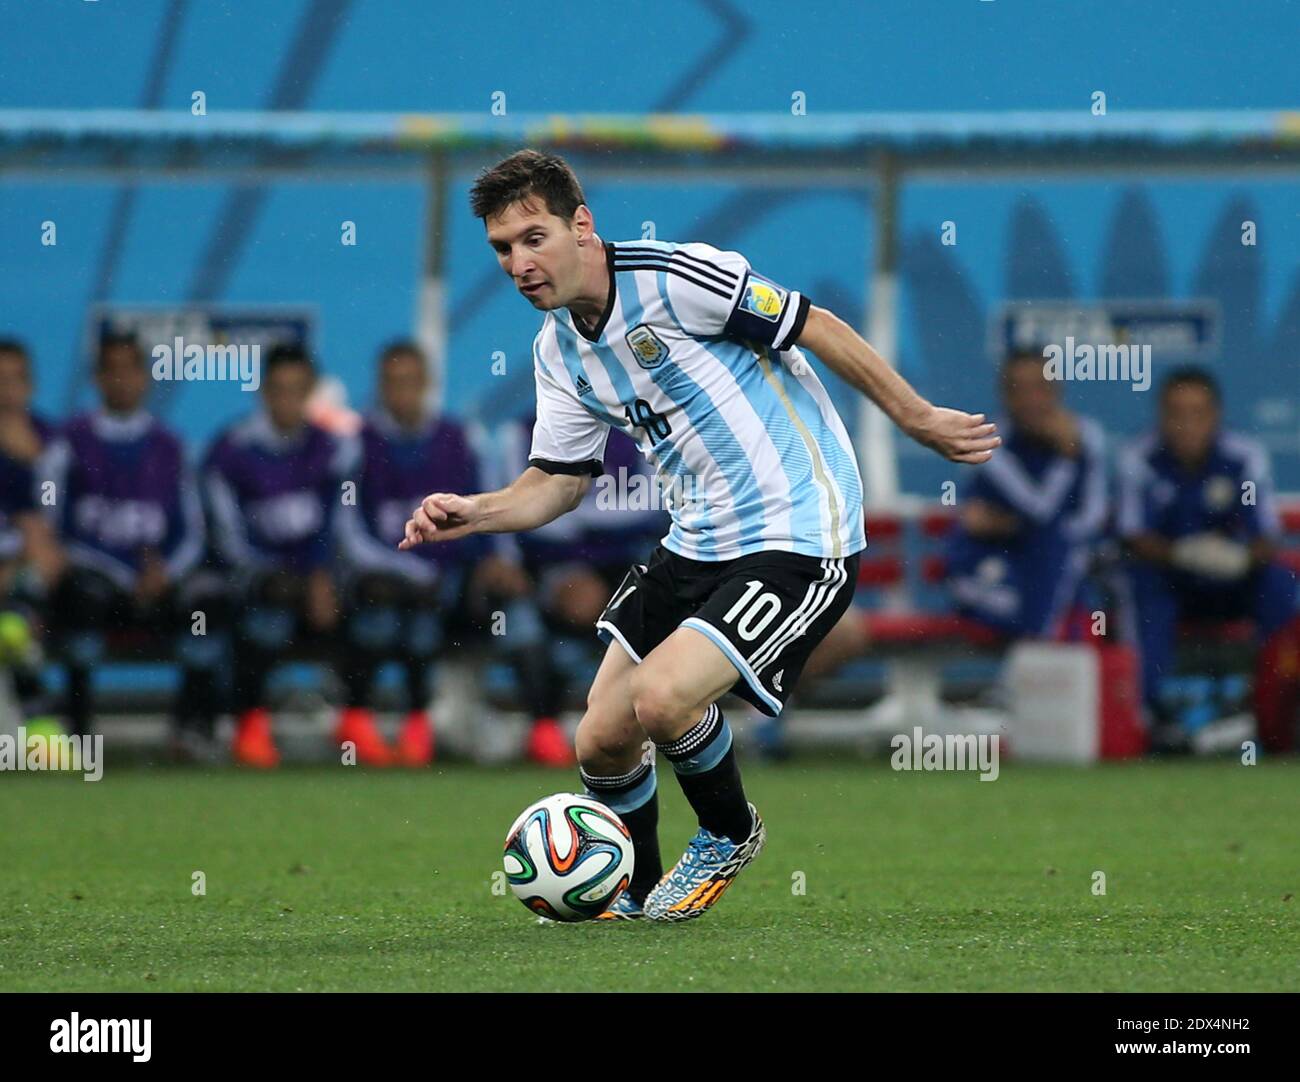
{"points": [[442, 516]]}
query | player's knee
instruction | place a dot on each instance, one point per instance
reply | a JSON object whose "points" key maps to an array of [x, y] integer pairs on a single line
{"points": [[659, 706], [601, 746]]}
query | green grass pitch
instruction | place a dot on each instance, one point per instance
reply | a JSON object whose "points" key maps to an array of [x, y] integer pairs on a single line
{"points": [[339, 879]]}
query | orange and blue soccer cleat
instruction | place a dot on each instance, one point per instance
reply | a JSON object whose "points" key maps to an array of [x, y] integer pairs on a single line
{"points": [[707, 868], [623, 908]]}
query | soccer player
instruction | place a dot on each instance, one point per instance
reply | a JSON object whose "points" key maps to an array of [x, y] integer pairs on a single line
{"points": [[24, 532], [274, 483], [1027, 522], [128, 513], [1198, 517], [399, 602], [698, 358], [31, 560]]}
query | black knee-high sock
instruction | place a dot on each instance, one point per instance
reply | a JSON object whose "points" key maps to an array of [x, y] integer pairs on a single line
{"points": [[635, 799], [252, 668], [198, 702], [357, 671], [705, 763], [418, 672], [539, 681], [79, 705]]}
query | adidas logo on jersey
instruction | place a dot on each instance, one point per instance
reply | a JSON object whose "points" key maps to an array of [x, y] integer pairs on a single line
{"points": [[583, 386]]}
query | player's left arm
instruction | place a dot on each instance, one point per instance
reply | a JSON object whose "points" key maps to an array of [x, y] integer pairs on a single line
{"points": [[958, 436]]}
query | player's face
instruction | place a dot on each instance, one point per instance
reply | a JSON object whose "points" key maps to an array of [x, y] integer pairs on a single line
{"points": [[285, 393], [122, 379], [403, 386], [539, 250], [1189, 418], [1029, 396], [15, 383]]}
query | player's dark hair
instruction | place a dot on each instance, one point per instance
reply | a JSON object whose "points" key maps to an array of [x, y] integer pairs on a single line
{"points": [[527, 173], [1191, 375], [1022, 356], [15, 348], [285, 354], [117, 340], [403, 347]]}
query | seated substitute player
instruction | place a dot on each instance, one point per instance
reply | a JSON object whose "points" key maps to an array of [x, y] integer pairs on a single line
{"points": [[1197, 516], [411, 605], [24, 532], [274, 483], [696, 356], [1026, 527], [31, 560], [128, 513], [572, 566], [1028, 520]]}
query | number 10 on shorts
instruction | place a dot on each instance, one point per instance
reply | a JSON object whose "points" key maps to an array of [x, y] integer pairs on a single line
{"points": [[758, 611]]}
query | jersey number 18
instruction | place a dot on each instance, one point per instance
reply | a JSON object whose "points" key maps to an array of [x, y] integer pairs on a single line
{"points": [[656, 425]]}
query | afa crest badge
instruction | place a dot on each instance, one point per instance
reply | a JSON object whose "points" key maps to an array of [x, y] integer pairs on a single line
{"points": [[764, 299], [646, 346]]}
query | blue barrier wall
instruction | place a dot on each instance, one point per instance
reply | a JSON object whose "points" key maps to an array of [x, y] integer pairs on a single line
{"points": [[159, 243]]}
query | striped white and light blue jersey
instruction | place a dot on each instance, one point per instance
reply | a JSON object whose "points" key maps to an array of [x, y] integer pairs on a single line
{"points": [[695, 358]]}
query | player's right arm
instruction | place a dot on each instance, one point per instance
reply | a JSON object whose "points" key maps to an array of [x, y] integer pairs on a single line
{"points": [[532, 500], [567, 452]]}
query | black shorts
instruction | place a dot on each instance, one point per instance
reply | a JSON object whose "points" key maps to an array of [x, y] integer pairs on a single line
{"points": [[766, 612]]}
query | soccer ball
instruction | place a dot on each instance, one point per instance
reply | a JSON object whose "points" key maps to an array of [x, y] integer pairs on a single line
{"points": [[568, 857]]}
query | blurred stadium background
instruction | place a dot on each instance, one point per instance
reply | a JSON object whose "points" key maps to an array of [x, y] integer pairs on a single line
{"points": [[832, 143], [717, 121]]}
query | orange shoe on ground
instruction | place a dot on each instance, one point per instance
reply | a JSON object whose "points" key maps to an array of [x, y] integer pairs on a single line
{"points": [[356, 724], [415, 742], [253, 745], [548, 745]]}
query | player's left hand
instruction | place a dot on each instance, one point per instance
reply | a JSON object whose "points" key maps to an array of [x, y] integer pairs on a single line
{"points": [[958, 436]]}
